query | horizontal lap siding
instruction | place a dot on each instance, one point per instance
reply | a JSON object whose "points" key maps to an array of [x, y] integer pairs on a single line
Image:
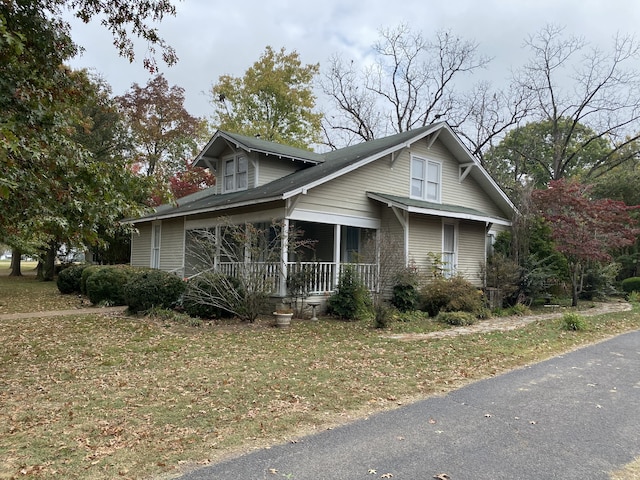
{"points": [[471, 251], [425, 236], [141, 246], [172, 245], [347, 194], [468, 193], [270, 169]]}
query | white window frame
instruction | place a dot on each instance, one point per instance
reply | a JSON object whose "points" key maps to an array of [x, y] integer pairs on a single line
{"points": [[156, 240], [449, 256], [236, 176], [425, 179]]}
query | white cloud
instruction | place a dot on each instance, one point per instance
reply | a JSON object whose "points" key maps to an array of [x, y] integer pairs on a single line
{"points": [[214, 38]]}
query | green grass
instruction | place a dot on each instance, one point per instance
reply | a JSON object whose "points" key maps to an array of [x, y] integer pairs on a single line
{"points": [[96, 397]]}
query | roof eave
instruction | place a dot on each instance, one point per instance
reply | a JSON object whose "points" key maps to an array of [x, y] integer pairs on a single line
{"points": [[216, 208], [441, 213]]}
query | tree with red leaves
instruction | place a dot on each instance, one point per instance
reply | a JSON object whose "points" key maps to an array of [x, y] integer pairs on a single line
{"points": [[585, 230]]}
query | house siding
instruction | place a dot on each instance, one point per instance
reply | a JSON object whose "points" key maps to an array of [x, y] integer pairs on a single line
{"points": [[270, 169], [172, 245], [425, 237], [471, 251], [141, 246], [347, 194]]}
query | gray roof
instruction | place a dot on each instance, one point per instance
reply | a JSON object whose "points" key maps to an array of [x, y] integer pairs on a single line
{"points": [[440, 209], [327, 166], [254, 144]]}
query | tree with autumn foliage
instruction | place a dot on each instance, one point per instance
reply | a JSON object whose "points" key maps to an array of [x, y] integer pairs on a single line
{"points": [[163, 132], [585, 230], [274, 100]]}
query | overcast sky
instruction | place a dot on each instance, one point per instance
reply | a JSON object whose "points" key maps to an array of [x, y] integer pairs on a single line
{"points": [[214, 38]]}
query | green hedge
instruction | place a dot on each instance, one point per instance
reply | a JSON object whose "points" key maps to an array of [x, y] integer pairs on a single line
{"points": [[107, 284], [69, 279], [153, 288], [631, 284]]}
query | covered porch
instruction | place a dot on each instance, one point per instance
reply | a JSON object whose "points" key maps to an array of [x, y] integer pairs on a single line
{"points": [[312, 270]]}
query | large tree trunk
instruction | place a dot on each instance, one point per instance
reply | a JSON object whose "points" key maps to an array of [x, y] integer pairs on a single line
{"points": [[49, 265], [16, 270]]}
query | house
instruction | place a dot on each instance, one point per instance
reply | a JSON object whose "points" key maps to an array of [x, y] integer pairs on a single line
{"points": [[421, 189]]}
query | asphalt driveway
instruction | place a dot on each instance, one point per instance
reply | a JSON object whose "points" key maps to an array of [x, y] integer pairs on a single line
{"points": [[576, 416]]}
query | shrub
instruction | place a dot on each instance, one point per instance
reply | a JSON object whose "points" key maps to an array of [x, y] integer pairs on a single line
{"points": [[405, 297], [633, 297], [383, 315], [201, 290], [456, 318], [107, 284], [69, 279], [631, 284], [574, 322], [86, 273], [449, 295], [351, 300], [153, 288]]}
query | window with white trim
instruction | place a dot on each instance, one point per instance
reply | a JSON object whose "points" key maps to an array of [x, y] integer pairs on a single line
{"points": [[156, 233], [449, 249], [235, 173], [426, 178]]}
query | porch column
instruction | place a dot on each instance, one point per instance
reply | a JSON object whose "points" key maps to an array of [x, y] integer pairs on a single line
{"points": [[336, 254], [284, 257]]}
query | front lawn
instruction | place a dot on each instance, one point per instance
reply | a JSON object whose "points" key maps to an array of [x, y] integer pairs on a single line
{"points": [[96, 397]]}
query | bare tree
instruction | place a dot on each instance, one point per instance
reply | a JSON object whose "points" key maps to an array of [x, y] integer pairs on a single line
{"points": [[411, 84], [574, 84], [490, 113]]}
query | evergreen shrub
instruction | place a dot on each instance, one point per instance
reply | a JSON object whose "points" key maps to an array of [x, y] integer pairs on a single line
{"points": [[153, 288]]}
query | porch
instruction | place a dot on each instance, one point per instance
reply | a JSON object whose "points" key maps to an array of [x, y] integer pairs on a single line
{"points": [[309, 278]]}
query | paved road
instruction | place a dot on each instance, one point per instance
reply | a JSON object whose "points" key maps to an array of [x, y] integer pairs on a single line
{"points": [[576, 416]]}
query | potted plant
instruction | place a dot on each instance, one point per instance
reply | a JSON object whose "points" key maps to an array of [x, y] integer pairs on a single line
{"points": [[283, 317]]}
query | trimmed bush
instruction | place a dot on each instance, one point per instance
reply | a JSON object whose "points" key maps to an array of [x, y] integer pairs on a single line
{"points": [[86, 273], [153, 288], [631, 284], [351, 300], [450, 295], [201, 292], [107, 283], [69, 279], [405, 297], [456, 318]]}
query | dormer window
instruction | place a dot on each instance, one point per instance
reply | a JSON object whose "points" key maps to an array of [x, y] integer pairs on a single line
{"points": [[426, 179], [235, 173]]}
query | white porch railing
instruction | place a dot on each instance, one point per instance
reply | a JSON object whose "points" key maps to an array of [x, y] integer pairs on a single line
{"points": [[319, 277]]}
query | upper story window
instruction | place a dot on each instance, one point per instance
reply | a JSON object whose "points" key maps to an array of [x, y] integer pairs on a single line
{"points": [[426, 179], [236, 173]]}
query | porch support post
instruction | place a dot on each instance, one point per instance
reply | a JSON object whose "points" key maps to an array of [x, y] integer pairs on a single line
{"points": [[284, 257], [336, 254]]}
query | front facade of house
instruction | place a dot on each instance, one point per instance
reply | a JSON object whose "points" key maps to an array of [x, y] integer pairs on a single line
{"points": [[418, 193]]}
